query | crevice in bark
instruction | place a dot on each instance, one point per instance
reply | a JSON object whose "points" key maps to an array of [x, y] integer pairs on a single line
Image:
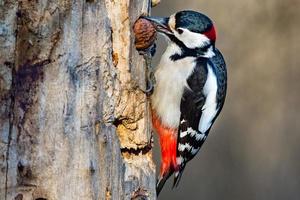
{"points": [[34, 71], [54, 39], [11, 119], [107, 194], [142, 150], [87, 63], [11, 108], [26, 81], [117, 122], [140, 194], [19, 197], [24, 174]]}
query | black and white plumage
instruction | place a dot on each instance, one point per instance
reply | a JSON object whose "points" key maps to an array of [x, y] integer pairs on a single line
{"points": [[190, 90], [200, 105]]}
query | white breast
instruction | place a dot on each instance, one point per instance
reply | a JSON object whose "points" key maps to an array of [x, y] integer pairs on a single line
{"points": [[170, 82]]}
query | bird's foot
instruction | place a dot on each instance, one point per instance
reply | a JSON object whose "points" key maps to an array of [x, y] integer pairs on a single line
{"points": [[150, 79]]}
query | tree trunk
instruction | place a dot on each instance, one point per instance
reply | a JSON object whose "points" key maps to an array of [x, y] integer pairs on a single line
{"points": [[73, 122]]}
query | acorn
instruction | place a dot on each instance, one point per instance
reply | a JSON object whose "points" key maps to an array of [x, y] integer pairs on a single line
{"points": [[145, 34]]}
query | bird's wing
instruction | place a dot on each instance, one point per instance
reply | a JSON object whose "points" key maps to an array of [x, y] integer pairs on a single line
{"points": [[191, 110], [221, 71], [197, 114]]}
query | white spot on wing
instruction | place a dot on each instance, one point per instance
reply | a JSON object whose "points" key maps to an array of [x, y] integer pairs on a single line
{"points": [[183, 133], [192, 132], [194, 150], [189, 131], [209, 109], [179, 160], [200, 136], [182, 147]]}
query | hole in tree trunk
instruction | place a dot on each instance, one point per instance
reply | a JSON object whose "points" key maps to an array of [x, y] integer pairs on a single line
{"points": [[19, 197]]}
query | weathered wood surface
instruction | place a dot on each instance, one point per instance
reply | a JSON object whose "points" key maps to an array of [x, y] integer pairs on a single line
{"points": [[73, 123]]}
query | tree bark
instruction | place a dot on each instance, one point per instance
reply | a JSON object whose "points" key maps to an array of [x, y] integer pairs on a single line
{"points": [[73, 122]]}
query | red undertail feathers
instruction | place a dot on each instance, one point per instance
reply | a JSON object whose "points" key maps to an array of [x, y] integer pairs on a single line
{"points": [[168, 144]]}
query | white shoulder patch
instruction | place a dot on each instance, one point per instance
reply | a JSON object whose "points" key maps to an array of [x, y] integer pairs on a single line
{"points": [[209, 109]]}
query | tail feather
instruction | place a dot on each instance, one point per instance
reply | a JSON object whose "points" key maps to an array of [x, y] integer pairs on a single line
{"points": [[161, 182], [177, 177]]}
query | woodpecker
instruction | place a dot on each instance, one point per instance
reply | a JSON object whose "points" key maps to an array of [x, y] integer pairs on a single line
{"points": [[191, 82]]}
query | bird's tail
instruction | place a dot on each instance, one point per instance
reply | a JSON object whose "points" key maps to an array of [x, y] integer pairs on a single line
{"points": [[177, 176], [161, 181]]}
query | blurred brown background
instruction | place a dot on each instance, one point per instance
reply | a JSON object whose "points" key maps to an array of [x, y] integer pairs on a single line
{"points": [[253, 150]]}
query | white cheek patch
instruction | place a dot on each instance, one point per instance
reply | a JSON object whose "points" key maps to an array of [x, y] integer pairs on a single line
{"points": [[191, 39]]}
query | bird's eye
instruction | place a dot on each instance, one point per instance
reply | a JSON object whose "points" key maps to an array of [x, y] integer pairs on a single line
{"points": [[179, 30]]}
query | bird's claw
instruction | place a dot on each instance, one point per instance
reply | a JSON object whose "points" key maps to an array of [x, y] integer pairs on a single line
{"points": [[150, 79], [149, 90], [149, 51]]}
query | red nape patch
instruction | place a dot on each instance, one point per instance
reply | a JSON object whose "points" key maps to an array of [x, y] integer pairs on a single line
{"points": [[168, 144], [211, 33]]}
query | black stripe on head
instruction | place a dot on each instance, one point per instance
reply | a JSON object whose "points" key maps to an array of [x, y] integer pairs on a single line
{"points": [[193, 21], [185, 51]]}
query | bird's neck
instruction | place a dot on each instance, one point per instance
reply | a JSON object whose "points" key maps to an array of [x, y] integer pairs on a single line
{"points": [[208, 52], [171, 51], [175, 51]]}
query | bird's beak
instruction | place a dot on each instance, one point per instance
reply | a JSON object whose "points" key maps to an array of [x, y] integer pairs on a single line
{"points": [[161, 24]]}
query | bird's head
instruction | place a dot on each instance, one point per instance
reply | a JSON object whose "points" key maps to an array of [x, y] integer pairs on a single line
{"points": [[189, 30]]}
